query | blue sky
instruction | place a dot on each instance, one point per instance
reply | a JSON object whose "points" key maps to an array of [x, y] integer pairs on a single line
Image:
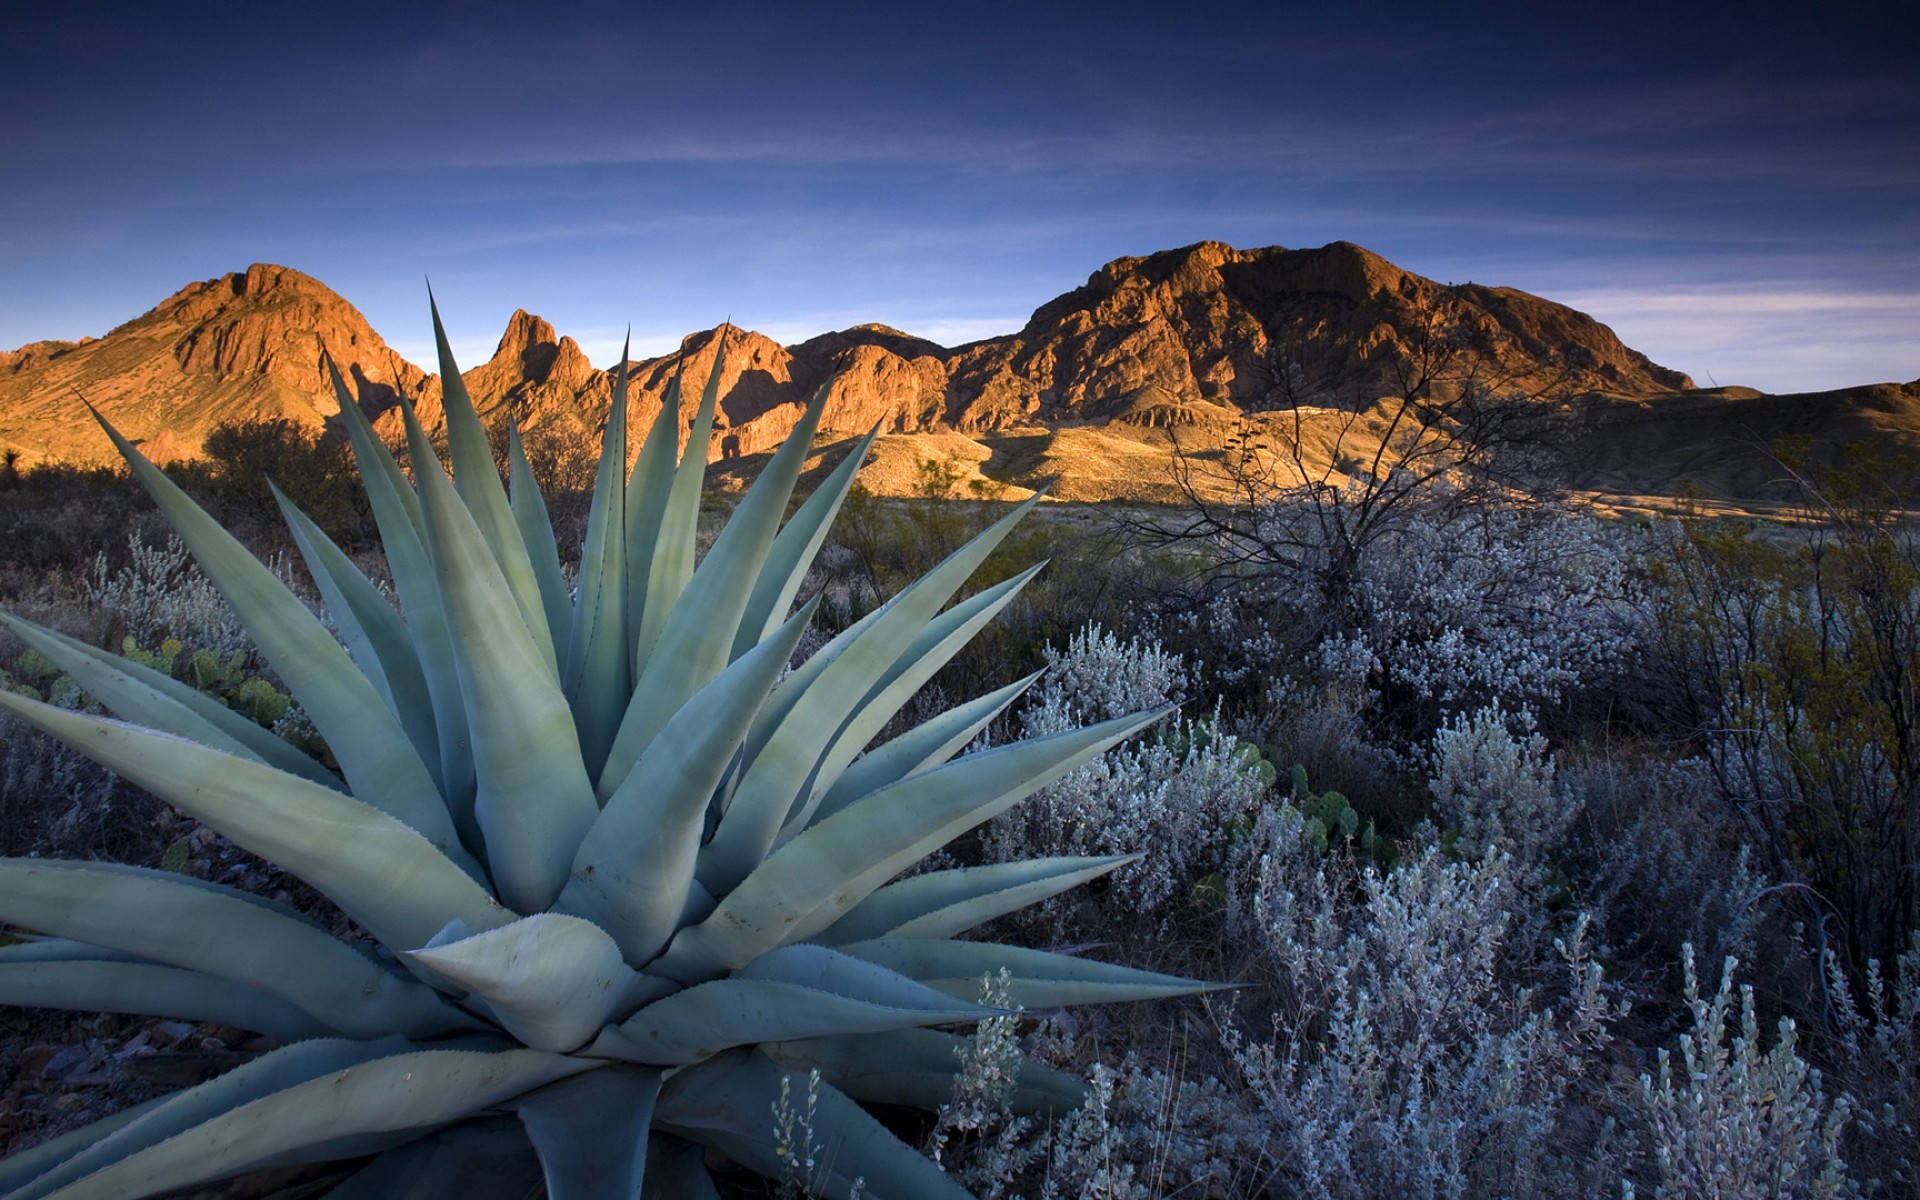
{"points": [[1736, 192]]}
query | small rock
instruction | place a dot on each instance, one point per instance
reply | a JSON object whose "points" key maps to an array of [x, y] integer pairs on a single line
{"points": [[34, 1059], [65, 1062]]}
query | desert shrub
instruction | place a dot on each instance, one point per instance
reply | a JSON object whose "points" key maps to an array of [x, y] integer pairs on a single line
{"points": [[1142, 1132], [57, 517], [1406, 1056], [1795, 660], [1493, 782], [1174, 799], [1741, 1120], [1658, 860], [1874, 1044], [1456, 608], [161, 593], [312, 468]]}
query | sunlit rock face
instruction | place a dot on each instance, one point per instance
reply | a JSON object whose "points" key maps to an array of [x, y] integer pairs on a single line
{"points": [[1186, 338]]}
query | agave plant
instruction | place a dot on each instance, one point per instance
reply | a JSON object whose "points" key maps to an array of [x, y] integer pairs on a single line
{"points": [[620, 869]]}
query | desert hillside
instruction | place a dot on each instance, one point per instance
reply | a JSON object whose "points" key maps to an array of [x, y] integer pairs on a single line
{"points": [[1183, 350]]}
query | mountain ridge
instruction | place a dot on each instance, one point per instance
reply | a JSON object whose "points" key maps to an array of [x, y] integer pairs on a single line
{"points": [[1200, 334]]}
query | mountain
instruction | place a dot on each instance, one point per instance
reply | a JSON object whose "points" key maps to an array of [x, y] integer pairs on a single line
{"points": [[1089, 394], [239, 347]]}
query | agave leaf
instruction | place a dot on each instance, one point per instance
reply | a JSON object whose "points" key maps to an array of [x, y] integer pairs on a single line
{"points": [[767, 792], [724, 1103], [793, 992], [34, 947], [634, 867], [926, 745], [152, 990], [376, 636], [794, 549], [478, 481], [477, 1160], [183, 1110], [918, 1068], [941, 904], [698, 637], [1041, 979], [379, 472], [536, 531], [599, 668], [144, 696], [396, 509], [807, 884], [417, 1089], [936, 645], [552, 980], [647, 492], [677, 1170], [532, 798], [174, 919], [24, 1165], [793, 686], [373, 751], [591, 1132], [380, 872], [672, 558]]}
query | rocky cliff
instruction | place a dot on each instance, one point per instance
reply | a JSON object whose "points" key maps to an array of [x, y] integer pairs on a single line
{"points": [[1203, 334]]}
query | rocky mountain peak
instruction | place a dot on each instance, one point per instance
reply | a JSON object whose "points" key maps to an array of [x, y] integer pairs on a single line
{"points": [[1149, 341]]}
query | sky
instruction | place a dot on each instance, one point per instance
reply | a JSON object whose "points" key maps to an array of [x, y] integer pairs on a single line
{"points": [[1735, 190]]}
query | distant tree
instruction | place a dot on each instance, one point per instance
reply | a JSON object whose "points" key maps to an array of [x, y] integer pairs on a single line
{"points": [[314, 469], [1336, 456]]}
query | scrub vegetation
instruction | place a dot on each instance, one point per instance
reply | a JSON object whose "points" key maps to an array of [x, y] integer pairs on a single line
{"points": [[1550, 855]]}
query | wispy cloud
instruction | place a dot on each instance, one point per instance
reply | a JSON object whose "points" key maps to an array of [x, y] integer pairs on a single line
{"points": [[1781, 338]]}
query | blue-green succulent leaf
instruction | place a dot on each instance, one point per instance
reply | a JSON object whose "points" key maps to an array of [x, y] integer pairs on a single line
{"points": [[591, 1132], [396, 510], [379, 471], [598, 672], [24, 1165], [478, 481], [926, 745], [171, 918], [376, 636], [775, 776], [794, 549], [152, 990], [677, 1169], [413, 1089], [647, 491], [634, 867], [380, 872], [374, 752], [1041, 978], [943, 637], [551, 980], [942, 904], [792, 992], [532, 798], [536, 531], [184, 1110], [474, 1160], [671, 562], [143, 696], [697, 641], [807, 884]]}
